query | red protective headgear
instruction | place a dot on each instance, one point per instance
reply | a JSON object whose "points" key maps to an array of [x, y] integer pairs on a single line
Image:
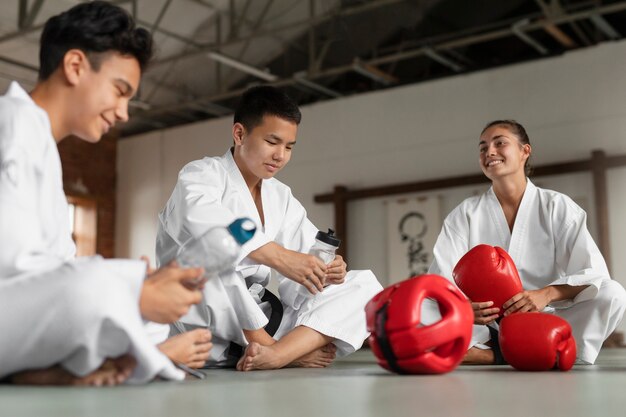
{"points": [[399, 340]]}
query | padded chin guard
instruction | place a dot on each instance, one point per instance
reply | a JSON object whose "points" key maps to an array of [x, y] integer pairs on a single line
{"points": [[405, 346]]}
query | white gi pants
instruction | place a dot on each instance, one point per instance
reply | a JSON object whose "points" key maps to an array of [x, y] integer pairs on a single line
{"points": [[77, 316]]}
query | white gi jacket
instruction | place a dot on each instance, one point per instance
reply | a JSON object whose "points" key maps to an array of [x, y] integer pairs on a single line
{"points": [[73, 313], [550, 243], [212, 192]]}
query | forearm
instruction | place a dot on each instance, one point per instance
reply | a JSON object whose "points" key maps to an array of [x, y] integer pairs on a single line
{"points": [[260, 336], [307, 270], [270, 254], [563, 292]]}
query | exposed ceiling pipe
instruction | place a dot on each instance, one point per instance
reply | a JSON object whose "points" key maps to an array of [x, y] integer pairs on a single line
{"points": [[604, 27], [517, 29], [243, 67], [300, 78], [446, 62], [394, 57], [372, 72]]}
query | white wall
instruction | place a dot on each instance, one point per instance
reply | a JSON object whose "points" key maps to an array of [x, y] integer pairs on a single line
{"points": [[570, 105]]}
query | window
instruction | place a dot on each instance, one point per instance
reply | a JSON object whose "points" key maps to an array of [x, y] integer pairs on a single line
{"points": [[83, 224]]}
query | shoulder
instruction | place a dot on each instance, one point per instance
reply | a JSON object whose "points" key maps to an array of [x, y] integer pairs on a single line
{"points": [[465, 209], [18, 118], [280, 189], [559, 205], [208, 167]]}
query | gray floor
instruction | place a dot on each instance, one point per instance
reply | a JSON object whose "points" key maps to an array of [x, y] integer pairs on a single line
{"points": [[351, 387]]}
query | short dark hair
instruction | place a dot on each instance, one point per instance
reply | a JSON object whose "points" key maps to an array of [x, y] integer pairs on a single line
{"points": [[95, 28], [265, 100], [518, 130]]}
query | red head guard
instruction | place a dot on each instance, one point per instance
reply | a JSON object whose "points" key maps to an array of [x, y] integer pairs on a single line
{"points": [[399, 340]]}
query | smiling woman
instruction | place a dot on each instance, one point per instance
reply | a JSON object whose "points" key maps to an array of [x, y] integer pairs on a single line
{"points": [[546, 235]]}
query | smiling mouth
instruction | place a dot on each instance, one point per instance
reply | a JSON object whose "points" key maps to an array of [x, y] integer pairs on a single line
{"points": [[494, 163], [108, 125]]}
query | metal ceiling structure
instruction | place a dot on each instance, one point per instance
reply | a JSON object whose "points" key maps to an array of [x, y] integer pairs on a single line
{"points": [[209, 52]]}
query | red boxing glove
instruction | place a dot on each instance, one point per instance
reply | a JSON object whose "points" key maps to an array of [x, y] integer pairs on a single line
{"points": [[402, 344], [537, 342], [487, 273]]}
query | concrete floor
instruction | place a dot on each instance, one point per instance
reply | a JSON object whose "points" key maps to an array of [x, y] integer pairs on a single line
{"points": [[355, 386]]}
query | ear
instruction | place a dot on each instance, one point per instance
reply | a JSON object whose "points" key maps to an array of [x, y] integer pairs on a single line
{"points": [[238, 133], [527, 150], [75, 64]]}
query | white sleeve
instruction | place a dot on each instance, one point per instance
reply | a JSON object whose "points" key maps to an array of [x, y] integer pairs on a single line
{"points": [[451, 245], [297, 234], [578, 259], [196, 206], [21, 237]]}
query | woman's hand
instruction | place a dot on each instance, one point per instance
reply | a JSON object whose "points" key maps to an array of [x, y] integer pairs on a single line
{"points": [[484, 313]]}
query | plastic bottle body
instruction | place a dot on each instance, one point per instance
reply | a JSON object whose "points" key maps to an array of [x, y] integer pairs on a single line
{"points": [[324, 251], [216, 251]]}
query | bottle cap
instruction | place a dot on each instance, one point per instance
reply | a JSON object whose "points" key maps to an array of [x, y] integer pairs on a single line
{"points": [[242, 229], [329, 238]]}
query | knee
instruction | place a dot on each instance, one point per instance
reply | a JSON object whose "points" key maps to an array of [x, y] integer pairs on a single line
{"points": [[368, 281], [612, 294], [91, 294]]}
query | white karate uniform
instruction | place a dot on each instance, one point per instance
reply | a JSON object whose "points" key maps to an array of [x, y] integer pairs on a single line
{"points": [[212, 192], [550, 245], [53, 309]]}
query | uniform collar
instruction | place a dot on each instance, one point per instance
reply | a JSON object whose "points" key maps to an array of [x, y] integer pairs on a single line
{"points": [[16, 91]]}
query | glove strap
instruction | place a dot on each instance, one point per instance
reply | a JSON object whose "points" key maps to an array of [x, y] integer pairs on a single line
{"points": [[383, 341]]}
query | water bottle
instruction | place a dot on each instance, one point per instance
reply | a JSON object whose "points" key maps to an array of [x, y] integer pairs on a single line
{"points": [[325, 246], [218, 248]]}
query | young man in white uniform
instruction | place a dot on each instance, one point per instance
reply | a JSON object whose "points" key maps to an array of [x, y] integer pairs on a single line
{"points": [[545, 232], [68, 321], [214, 191]]}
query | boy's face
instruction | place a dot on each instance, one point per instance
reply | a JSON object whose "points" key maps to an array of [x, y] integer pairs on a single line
{"points": [[266, 149], [100, 98]]}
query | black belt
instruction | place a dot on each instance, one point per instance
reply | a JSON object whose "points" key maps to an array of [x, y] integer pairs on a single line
{"points": [[494, 335], [235, 350]]}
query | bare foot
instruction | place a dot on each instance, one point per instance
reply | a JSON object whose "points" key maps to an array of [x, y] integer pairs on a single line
{"points": [[475, 356], [112, 372], [319, 358], [259, 357], [189, 348]]}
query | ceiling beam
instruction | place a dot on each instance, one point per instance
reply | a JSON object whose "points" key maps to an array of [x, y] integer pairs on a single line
{"points": [[403, 55], [605, 27], [518, 30], [159, 18], [271, 32], [27, 17]]}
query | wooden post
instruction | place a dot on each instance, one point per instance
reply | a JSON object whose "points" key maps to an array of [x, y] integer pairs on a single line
{"points": [[598, 170], [597, 165], [341, 224]]}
